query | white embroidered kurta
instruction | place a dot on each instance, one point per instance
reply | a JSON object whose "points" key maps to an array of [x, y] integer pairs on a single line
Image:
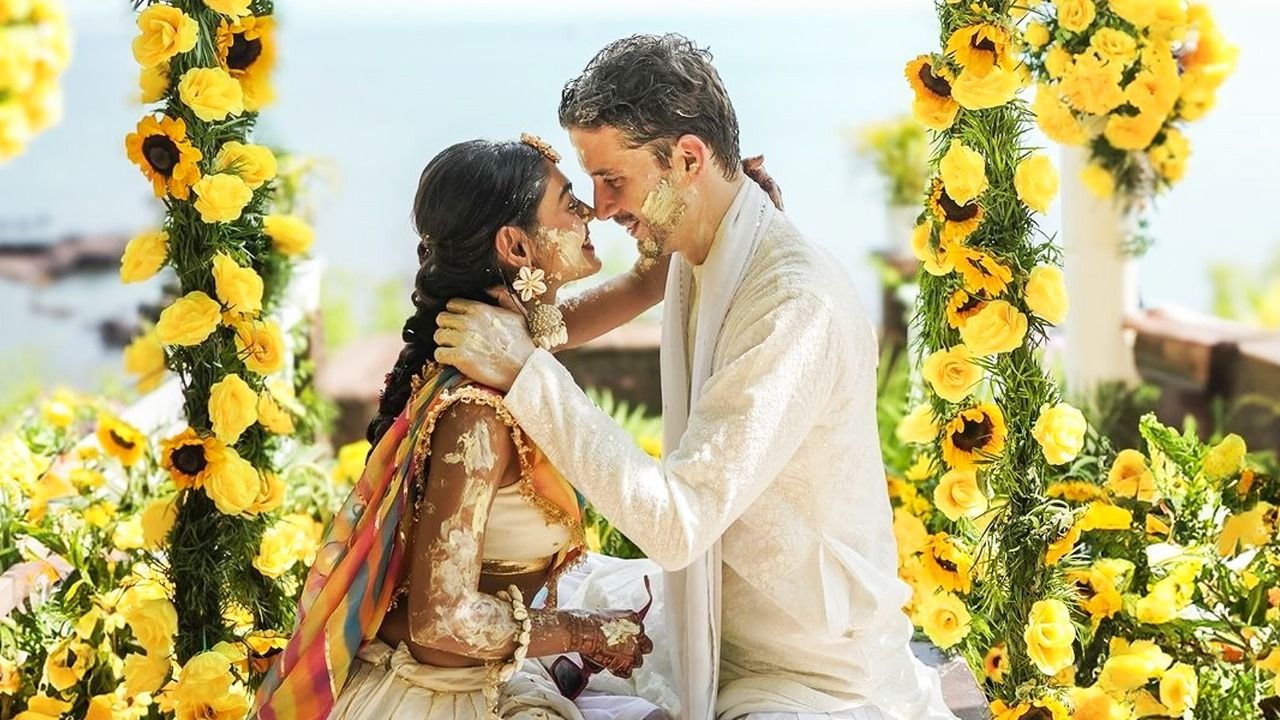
{"points": [[780, 463]]}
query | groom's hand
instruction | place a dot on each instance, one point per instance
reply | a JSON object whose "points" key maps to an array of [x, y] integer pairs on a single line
{"points": [[487, 344]]}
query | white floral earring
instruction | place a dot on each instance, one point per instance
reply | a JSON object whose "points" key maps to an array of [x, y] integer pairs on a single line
{"points": [[545, 321]]}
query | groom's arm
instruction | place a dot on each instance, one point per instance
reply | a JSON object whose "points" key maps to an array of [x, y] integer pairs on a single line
{"points": [[615, 302], [778, 371]]}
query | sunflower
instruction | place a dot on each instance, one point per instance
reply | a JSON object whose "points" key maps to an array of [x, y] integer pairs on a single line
{"points": [[996, 662], [165, 155], [120, 439], [982, 273], [188, 457], [246, 48], [933, 105], [961, 306], [973, 436], [947, 564], [1097, 591], [958, 221], [981, 47]]}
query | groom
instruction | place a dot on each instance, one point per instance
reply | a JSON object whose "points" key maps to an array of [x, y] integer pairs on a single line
{"points": [[769, 510]]}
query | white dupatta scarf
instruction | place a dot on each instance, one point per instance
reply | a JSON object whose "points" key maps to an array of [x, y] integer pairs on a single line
{"points": [[693, 594]]}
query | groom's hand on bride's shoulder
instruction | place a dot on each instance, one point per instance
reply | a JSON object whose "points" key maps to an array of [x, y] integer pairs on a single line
{"points": [[487, 344], [753, 167]]}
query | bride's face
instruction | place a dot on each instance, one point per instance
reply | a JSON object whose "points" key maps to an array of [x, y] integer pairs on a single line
{"points": [[561, 245]]}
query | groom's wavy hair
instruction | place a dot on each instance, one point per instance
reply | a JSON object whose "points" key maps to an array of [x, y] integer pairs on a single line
{"points": [[465, 195], [655, 88]]}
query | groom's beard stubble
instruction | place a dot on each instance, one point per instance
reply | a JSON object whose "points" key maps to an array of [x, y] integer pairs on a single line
{"points": [[662, 211]]}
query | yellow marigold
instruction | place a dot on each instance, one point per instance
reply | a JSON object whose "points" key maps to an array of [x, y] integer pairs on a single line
{"points": [[153, 83], [1098, 180], [1115, 45], [163, 32], [1139, 13], [1036, 35], [1093, 703], [144, 673], [1101, 515], [1130, 477], [189, 457], [975, 91], [157, 520], [918, 426], [1169, 157], [121, 440], [982, 273], [235, 8], [1060, 429], [947, 564], [261, 346], [964, 172], [944, 619], [997, 328], [211, 93], [1224, 459], [1036, 181], [1057, 61], [1133, 132], [974, 436], [952, 373], [1049, 636], [232, 408], [1092, 84], [189, 320], [161, 149], [961, 306], [289, 234], [1129, 666], [1046, 294], [933, 104], [238, 288], [936, 261], [958, 495], [221, 198], [1251, 528], [1076, 15], [255, 164], [233, 484], [1055, 119], [144, 256]]}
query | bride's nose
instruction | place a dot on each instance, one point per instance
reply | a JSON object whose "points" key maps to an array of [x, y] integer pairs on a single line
{"points": [[586, 212]]}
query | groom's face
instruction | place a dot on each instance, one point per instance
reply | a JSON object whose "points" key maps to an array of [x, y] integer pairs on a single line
{"points": [[632, 188]]}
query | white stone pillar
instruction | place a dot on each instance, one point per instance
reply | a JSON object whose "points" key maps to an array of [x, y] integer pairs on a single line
{"points": [[1101, 280]]}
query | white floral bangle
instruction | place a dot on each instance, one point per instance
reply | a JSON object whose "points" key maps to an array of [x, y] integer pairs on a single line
{"points": [[498, 673]]}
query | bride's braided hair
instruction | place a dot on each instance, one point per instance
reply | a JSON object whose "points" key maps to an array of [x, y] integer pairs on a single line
{"points": [[465, 195]]}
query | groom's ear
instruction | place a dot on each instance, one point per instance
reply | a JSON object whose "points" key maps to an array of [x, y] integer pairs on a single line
{"points": [[690, 155], [512, 246]]}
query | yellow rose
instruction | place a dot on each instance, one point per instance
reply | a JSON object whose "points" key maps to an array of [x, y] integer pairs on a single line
{"points": [[189, 320], [1139, 13], [1076, 15], [67, 663], [964, 172], [1170, 22], [997, 328], [1169, 158], [1130, 666], [996, 87], [234, 8], [211, 93], [255, 164], [944, 619], [958, 495], [1225, 458], [1036, 181], [909, 532], [164, 32], [1036, 35], [154, 623], [1046, 294], [238, 288], [153, 82], [289, 234], [144, 256], [144, 673], [233, 484], [918, 426], [1049, 636], [272, 417], [221, 197], [1130, 477], [1098, 180], [1060, 431], [952, 373], [144, 357], [936, 262], [233, 407], [1115, 45], [270, 494], [277, 552], [1179, 689], [351, 460], [157, 520], [205, 689], [1055, 119], [1135, 132], [1092, 84], [261, 346], [1105, 516], [1093, 703]]}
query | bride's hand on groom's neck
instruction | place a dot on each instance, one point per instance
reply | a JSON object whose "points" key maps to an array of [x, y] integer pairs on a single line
{"points": [[487, 344]]}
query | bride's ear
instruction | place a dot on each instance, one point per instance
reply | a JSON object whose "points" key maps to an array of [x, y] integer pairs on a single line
{"points": [[513, 247]]}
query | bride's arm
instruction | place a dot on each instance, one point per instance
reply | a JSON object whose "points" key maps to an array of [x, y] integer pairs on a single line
{"points": [[471, 452], [615, 302]]}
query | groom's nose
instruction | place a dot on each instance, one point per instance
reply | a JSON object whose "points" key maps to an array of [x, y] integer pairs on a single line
{"points": [[602, 200]]}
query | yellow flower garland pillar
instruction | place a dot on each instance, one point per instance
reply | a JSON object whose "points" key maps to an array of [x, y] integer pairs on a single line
{"points": [[1101, 281]]}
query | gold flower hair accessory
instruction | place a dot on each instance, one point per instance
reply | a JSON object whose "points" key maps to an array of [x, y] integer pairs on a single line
{"points": [[541, 146]]}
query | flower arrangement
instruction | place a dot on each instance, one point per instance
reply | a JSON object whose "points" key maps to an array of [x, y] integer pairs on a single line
{"points": [[35, 48], [1123, 78], [899, 149]]}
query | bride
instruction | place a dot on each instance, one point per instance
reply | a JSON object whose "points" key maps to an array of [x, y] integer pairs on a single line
{"points": [[418, 605]]}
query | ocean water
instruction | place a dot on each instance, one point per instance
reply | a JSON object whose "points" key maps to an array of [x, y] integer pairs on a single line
{"points": [[376, 91]]}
